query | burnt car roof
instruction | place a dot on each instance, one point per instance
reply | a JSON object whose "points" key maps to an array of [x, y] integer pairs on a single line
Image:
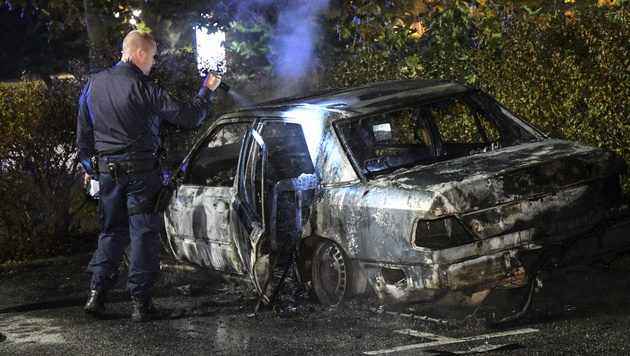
{"points": [[365, 99]]}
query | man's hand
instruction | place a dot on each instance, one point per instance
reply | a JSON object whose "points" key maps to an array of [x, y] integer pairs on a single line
{"points": [[212, 81], [86, 180]]}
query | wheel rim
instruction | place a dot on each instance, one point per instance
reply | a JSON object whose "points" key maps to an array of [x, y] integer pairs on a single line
{"points": [[330, 274]]}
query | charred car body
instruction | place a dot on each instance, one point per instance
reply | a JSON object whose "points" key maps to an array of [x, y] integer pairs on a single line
{"points": [[416, 190]]}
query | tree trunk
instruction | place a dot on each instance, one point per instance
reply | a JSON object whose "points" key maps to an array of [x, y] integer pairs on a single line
{"points": [[97, 36]]}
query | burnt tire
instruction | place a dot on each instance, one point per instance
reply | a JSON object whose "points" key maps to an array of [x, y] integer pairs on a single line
{"points": [[331, 273]]}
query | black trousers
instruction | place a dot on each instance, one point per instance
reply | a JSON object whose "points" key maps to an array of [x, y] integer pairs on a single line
{"points": [[118, 229]]}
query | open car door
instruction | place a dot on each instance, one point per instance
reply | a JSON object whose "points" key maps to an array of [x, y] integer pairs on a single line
{"points": [[198, 220], [248, 219], [276, 186]]}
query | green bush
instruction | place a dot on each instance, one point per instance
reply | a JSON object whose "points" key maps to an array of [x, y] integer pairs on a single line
{"points": [[44, 210], [40, 185], [570, 74], [376, 45], [566, 73]]}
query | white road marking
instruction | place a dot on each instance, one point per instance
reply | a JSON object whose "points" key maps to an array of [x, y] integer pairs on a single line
{"points": [[443, 340]]}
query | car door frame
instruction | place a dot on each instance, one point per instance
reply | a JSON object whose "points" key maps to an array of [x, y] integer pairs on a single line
{"points": [[181, 176], [249, 227]]}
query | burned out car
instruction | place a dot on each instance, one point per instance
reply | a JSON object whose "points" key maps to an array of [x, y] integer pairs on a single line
{"points": [[416, 190]]}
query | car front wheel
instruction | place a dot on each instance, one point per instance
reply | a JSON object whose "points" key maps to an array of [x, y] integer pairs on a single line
{"points": [[331, 273]]}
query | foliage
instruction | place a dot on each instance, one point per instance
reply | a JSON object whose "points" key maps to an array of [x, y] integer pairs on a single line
{"points": [[177, 72], [566, 72], [560, 64], [26, 45], [40, 186], [377, 44], [55, 15], [277, 48], [248, 47], [456, 32]]}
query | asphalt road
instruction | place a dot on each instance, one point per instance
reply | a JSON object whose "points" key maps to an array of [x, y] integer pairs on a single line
{"points": [[580, 313]]}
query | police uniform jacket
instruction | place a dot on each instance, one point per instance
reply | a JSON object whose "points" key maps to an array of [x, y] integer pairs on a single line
{"points": [[120, 111]]}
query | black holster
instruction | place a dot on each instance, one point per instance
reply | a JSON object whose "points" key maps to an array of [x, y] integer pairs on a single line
{"points": [[159, 201], [94, 166]]}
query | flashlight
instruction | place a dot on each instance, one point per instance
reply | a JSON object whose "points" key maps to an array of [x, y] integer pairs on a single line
{"points": [[219, 68], [224, 86]]}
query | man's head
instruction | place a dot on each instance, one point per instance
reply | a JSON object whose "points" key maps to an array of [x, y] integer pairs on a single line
{"points": [[139, 47]]}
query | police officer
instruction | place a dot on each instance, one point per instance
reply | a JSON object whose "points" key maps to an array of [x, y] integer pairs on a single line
{"points": [[119, 117]]}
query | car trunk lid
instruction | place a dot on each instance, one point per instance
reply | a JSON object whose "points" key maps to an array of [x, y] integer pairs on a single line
{"points": [[541, 183]]}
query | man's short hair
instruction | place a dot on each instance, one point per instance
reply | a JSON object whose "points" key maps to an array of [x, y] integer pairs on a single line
{"points": [[137, 39]]}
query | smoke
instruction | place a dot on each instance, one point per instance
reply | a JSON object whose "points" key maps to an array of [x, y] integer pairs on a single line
{"points": [[293, 44], [292, 47]]}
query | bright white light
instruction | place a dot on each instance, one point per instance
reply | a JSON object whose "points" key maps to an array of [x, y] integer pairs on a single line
{"points": [[210, 49], [116, 14], [136, 13], [132, 21], [312, 121]]}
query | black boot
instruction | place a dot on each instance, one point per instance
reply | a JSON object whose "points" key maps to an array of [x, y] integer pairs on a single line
{"points": [[95, 305], [145, 311]]}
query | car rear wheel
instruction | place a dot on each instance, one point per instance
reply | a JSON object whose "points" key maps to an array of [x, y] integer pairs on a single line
{"points": [[331, 273]]}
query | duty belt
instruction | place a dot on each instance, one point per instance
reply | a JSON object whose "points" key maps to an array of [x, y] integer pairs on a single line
{"points": [[122, 169]]}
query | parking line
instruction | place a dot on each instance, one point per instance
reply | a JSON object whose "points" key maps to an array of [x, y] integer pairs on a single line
{"points": [[443, 340]]}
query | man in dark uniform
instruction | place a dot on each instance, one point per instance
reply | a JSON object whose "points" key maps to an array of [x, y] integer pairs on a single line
{"points": [[119, 117]]}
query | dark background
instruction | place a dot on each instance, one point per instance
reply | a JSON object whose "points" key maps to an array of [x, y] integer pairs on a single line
{"points": [[26, 45]]}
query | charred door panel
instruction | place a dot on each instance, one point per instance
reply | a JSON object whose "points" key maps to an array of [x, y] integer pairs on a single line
{"points": [[201, 226], [198, 222]]}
